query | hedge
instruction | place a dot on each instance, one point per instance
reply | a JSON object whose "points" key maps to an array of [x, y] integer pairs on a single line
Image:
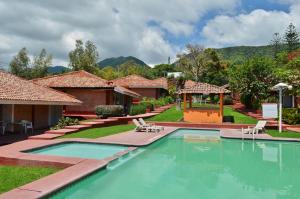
{"points": [[291, 115], [137, 109], [105, 111]]}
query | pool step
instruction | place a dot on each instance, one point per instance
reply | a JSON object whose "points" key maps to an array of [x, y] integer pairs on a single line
{"points": [[123, 159]]}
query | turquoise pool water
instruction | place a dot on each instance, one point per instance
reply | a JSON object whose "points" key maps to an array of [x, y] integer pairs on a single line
{"points": [[178, 167], [81, 150]]}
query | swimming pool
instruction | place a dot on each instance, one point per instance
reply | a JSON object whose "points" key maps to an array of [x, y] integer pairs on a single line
{"points": [[177, 167], [80, 150]]}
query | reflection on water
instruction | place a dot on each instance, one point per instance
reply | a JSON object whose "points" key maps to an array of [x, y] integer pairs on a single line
{"points": [[172, 168]]}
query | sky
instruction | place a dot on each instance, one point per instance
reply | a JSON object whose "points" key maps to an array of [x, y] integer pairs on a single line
{"points": [[151, 30]]}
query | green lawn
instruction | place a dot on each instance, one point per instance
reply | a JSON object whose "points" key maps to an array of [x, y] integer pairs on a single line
{"points": [[239, 118], [15, 176], [170, 115], [100, 132], [284, 134]]}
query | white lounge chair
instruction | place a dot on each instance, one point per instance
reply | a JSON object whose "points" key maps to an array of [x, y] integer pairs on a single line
{"points": [[260, 126], [142, 122], [140, 127]]}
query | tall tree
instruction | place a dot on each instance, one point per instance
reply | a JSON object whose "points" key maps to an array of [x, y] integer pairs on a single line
{"points": [[292, 38], [19, 65], [194, 61], [40, 64], [84, 57], [276, 44]]}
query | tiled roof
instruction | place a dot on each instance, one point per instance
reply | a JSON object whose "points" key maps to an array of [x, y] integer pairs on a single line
{"points": [[75, 79], [16, 90], [162, 81], [189, 83], [204, 88], [136, 81], [126, 91]]}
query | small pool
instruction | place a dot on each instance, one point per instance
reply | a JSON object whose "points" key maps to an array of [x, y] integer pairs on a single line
{"points": [[80, 150], [175, 168]]}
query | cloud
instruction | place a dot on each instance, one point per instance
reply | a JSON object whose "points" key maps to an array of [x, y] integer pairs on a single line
{"points": [[117, 27], [254, 28]]}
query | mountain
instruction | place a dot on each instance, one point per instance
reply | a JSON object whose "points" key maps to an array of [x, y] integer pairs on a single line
{"points": [[57, 69], [241, 52], [117, 61]]}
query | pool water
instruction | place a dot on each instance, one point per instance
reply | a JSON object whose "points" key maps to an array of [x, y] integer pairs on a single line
{"points": [[175, 168], [80, 150]]}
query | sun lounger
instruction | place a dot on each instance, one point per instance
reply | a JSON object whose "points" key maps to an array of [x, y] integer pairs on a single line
{"points": [[142, 122], [140, 127]]}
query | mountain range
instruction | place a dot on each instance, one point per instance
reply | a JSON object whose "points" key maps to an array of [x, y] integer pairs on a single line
{"points": [[118, 61]]}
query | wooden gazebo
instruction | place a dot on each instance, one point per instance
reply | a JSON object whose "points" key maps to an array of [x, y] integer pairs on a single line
{"points": [[204, 114]]}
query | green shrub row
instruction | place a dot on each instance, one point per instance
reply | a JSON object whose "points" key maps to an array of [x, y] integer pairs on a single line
{"points": [[291, 115], [105, 111], [152, 103], [137, 109], [65, 121]]}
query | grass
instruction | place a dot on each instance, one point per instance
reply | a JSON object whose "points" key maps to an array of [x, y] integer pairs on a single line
{"points": [[170, 115], [284, 134], [239, 118], [100, 132], [15, 176]]}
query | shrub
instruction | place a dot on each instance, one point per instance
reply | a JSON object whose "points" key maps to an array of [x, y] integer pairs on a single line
{"points": [[105, 111], [228, 100], [291, 115], [65, 121], [148, 104], [137, 109]]}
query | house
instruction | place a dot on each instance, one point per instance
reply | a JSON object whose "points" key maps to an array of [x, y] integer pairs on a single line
{"points": [[90, 89], [143, 86], [24, 100]]}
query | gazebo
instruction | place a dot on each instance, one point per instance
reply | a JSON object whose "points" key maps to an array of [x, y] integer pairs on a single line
{"points": [[204, 114]]}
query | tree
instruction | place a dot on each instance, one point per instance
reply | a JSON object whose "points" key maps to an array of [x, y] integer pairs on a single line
{"points": [[253, 80], [215, 70], [276, 44], [84, 57], [161, 70], [292, 38], [194, 61], [19, 65], [41, 64]]}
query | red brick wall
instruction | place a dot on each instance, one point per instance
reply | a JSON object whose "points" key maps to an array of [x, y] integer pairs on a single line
{"points": [[146, 92], [90, 98]]}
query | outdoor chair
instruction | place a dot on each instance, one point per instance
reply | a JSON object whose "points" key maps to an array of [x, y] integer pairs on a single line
{"points": [[2, 127], [260, 127], [142, 122], [140, 127], [27, 125]]}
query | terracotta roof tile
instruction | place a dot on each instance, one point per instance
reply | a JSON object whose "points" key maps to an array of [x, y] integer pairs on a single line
{"points": [[204, 88], [75, 79], [126, 91], [162, 81], [137, 81], [16, 90]]}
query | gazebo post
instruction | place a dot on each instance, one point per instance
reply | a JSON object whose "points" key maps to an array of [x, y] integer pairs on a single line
{"points": [[190, 101], [221, 105], [184, 102]]}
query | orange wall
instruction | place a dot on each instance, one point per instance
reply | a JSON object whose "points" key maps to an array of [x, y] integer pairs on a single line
{"points": [[202, 116], [90, 98]]}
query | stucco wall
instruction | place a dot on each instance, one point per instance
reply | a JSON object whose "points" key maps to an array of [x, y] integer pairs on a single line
{"points": [[146, 92], [90, 98]]}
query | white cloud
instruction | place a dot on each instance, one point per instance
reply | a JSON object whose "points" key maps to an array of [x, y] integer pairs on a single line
{"points": [[118, 27], [254, 28]]}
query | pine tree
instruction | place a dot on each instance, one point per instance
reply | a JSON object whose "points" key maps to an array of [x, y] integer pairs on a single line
{"points": [[276, 43], [292, 38]]}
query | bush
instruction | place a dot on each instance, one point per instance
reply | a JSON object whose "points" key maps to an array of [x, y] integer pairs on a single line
{"points": [[148, 104], [65, 121], [137, 109], [105, 111], [228, 100], [291, 115]]}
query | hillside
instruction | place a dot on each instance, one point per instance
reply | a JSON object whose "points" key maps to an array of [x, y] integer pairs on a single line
{"points": [[57, 69], [117, 61], [239, 52]]}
